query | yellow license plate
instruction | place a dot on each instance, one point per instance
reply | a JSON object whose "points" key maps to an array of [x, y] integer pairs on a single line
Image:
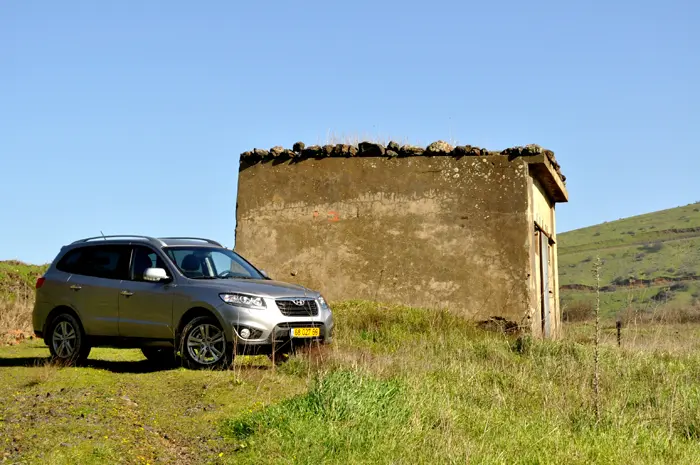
{"points": [[306, 332]]}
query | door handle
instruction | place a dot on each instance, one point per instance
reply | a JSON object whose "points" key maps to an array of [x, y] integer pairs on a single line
{"points": [[76, 287], [126, 293]]}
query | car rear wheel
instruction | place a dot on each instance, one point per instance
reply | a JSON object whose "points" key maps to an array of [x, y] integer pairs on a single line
{"points": [[203, 344], [67, 342], [160, 356]]}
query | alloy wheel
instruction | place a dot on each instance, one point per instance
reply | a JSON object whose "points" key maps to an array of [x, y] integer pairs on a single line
{"points": [[206, 344], [64, 340]]}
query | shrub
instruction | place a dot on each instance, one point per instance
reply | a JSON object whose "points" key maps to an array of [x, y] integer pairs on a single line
{"points": [[653, 247], [679, 287]]}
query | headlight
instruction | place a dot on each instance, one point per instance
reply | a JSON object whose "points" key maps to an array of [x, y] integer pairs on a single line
{"points": [[324, 305], [243, 300]]}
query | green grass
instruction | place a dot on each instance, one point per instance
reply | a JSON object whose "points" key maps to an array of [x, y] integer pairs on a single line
{"points": [[398, 385], [663, 245]]}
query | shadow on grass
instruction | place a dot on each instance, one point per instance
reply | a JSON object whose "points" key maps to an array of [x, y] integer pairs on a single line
{"points": [[115, 366], [121, 366]]}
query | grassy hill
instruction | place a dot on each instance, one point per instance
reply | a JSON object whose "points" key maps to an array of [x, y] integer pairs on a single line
{"points": [[648, 262]]}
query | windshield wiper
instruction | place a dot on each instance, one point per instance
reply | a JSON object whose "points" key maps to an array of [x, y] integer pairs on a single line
{"points": [[204, 277]]}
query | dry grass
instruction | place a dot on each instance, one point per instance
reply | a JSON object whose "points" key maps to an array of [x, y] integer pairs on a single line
{"points": [[15, 319], [577, 311], [354, 139], [662, 314]]}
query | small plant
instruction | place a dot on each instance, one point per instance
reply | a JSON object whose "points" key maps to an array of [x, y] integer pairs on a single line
{"points": [[596, 376]]}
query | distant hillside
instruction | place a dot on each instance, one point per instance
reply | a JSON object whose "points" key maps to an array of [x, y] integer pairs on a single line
{"points": [[648, 261]]}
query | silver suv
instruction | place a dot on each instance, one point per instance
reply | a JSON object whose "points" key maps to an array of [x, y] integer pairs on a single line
{"points": [[171, 297]]}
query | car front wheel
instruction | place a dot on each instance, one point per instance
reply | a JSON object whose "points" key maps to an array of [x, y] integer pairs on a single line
{"points": [[67, 341], [203, 345]]}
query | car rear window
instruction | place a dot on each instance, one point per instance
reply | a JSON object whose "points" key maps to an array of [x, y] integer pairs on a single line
{"points": [[109, 261]]}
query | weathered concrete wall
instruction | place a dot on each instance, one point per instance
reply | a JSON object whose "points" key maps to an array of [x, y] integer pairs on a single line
{"points": [[440, 231]]}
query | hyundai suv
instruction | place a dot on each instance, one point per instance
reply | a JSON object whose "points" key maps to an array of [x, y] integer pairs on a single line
{"points": [[171, 297]]}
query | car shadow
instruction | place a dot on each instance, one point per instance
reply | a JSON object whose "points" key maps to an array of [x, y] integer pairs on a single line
{"points": [[114, 366]]}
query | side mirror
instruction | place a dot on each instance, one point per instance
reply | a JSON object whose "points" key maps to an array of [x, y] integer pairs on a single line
{"points": [[155, 275], [264, 273]]}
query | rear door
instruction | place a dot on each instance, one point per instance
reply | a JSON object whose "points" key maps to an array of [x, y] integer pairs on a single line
{"points": [[146, 308], [96, 272]]}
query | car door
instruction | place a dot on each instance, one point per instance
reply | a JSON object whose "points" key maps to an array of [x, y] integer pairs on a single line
{"points": [[146, 308], [96, 272]]}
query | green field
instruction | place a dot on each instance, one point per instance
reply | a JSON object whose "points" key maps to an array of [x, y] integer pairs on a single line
{"points": [[647, 260], [399, 385]]}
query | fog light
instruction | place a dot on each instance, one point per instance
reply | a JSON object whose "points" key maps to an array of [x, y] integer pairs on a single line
{"points": [[245, 333]]}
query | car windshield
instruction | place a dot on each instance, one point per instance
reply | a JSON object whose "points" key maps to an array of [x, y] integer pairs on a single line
{"points": [[211, 263]]}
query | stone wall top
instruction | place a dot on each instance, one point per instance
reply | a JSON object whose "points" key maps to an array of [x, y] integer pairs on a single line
{"points": [[372, 149]]}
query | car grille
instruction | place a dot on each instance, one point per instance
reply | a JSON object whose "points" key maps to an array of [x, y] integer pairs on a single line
{"points": [[290, 308]]}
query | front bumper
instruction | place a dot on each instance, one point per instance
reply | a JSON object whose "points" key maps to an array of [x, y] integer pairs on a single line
{"points": [[271, 328]]}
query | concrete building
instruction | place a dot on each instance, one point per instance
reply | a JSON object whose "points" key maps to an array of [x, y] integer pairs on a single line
{"points": [[438, 227]]}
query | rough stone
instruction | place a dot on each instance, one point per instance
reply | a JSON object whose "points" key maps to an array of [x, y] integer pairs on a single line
{"points": [[298, 147], [370, 149], [393, 146], [475, 151], [392, 153], [439, 148], [277, 150], [411, 150], [342, 150], [328, 149], [262, 153], [311, 151], [247, 154], [288, 154], [460, 151]]}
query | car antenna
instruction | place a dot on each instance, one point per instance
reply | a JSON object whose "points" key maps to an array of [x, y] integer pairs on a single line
{"points": [[103, 235]]}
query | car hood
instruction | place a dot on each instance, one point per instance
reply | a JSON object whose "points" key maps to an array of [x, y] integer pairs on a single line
{"points": [[260, 287]]}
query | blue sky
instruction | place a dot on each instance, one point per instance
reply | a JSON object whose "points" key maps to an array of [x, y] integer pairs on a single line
{"points": [[128, 117]]}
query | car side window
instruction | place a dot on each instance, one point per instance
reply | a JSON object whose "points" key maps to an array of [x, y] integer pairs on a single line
{"points": [[143, 258], [106, 261], [69, 262]]}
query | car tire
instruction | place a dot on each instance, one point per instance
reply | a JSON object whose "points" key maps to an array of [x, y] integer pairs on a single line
{"points": [[159, 356], [66, 340], [203, 345]]}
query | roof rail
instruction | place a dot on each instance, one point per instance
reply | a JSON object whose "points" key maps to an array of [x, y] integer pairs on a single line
{"points": [[195, 239], [152, 240]]}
